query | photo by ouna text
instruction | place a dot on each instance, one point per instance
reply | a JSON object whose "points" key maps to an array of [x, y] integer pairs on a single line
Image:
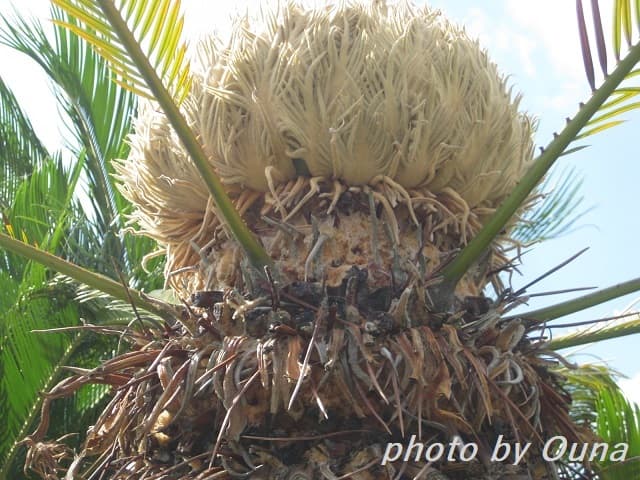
{"points": [[553, 449]]}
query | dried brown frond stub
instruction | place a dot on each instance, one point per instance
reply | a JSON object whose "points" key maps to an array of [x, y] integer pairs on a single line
{"points": [[316, 382], [303, 104]]}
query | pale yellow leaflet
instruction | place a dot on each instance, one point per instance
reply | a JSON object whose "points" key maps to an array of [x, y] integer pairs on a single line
{"points": [[155, 25]]}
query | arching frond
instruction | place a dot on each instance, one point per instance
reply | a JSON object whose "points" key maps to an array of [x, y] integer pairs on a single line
{"points": [[156, 25], [28, 362], [618, 422], [20, 147], [599, 404], [556, 212], [622, 99], [591, 118], [40, 212], [584, 383], [41, 335], [120, 33], [98, 110]]}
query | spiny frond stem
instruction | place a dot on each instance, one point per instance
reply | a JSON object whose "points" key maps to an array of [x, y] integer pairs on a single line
{"points": [[581, 303], [257, 255], [608, 333], [475, 249], [34, 411], [92, 279]]}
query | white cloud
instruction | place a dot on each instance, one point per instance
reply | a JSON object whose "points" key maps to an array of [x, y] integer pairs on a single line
{"points": [[500, 38], [537, 44], [554, 26], [551, 25]]}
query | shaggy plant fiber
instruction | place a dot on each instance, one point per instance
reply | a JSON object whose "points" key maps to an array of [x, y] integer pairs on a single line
{"points": [[304, 104]]}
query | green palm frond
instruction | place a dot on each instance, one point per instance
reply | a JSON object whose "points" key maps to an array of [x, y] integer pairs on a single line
{"points": [[557, 211], [39, 213], [591, 111], [584, 383], [107, 106], [39, 356], [42, 304], [20, 147], [618, 421], [599, 404], [99, 111], [622, 21], [623, 99], [29, 362], [156, 24], [102, 24], [43, 211]]}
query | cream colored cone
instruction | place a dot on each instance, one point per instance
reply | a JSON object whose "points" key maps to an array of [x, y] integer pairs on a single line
{"points": [[302, 105]]}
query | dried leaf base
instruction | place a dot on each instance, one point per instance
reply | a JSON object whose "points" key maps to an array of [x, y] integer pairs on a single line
{"points": [[307, 381]]}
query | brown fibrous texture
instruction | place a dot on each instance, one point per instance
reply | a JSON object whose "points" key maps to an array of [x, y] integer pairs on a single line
{"points": [[316, 380]]}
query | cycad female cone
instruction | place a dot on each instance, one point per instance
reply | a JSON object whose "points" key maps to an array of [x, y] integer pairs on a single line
{"points": [[347, 135]]}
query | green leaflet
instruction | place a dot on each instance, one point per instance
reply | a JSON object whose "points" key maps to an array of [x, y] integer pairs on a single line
{"points": [[123, 45], [618, 421], [156, 24]]}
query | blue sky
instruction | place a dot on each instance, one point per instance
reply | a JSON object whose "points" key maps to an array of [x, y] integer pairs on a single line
{"points": [[536, 43]]}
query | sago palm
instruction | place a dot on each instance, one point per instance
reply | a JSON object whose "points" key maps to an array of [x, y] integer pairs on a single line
{"points": [[335, 190], [40, 204]]}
